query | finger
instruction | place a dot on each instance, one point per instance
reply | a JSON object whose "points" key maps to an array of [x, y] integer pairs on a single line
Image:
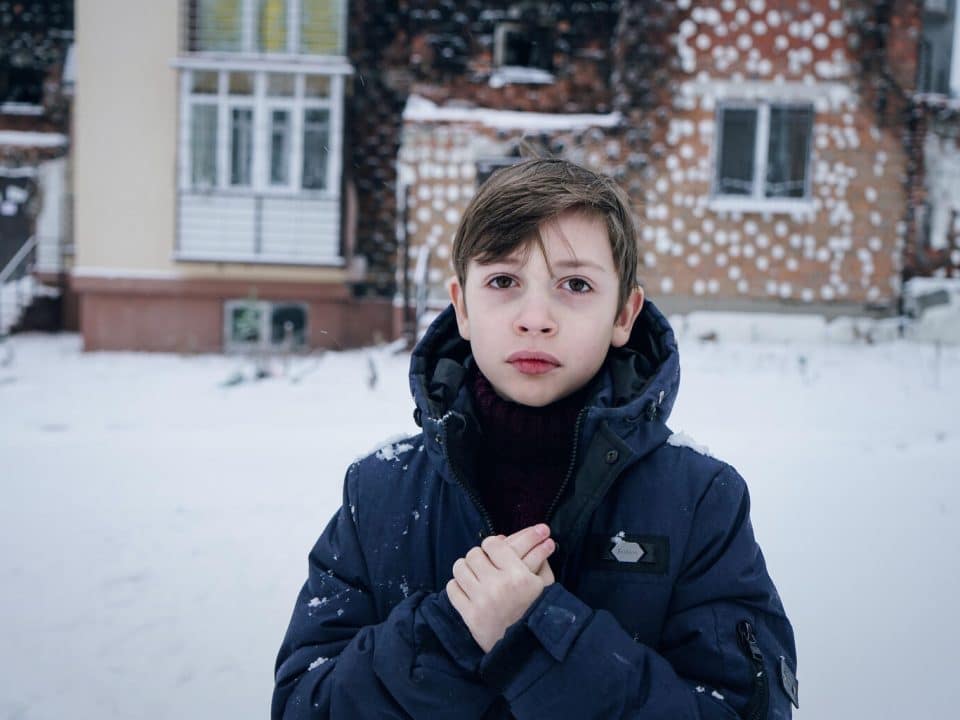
{"points": [[458, 598], [523, 541], [465, 577], [535, 559], [501, 555], [546, 574], [480, 564]]}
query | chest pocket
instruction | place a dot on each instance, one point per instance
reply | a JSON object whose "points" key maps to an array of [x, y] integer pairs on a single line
{"points": [[628, 575]]}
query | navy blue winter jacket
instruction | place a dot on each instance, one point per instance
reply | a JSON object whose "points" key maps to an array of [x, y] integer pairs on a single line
{"points": [[662, 607]]}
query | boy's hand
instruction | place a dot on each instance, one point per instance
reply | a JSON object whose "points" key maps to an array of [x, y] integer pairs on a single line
{"points": [[492, 587], [525, 542]]}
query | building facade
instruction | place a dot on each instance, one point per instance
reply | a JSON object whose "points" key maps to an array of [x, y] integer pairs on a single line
{"points": [[213, 209], [268, 173]]}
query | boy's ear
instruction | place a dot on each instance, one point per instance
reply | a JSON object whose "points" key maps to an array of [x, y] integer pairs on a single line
{"points": [[623, 324], [459, 306]]}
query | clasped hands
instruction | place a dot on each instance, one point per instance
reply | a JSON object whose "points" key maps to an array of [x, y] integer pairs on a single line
{"points": [[494, 584]]}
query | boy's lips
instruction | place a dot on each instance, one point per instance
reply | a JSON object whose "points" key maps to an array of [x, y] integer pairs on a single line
{"points": [[533, 362]]}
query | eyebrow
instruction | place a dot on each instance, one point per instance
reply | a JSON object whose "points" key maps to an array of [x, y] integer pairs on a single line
{"points": [[574, 264]]}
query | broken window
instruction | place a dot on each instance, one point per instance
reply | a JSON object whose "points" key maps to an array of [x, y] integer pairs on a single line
{"points": [[263, 325], [763, 151], [21, 85], [936, 47], [525, 45]]}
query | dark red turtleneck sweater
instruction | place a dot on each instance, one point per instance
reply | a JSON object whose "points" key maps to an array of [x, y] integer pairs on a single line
{"points": [[525, 454]]}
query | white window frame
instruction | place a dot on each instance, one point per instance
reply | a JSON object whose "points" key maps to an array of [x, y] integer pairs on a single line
{"points": [[262, 106], [757, 201], [248, 31]]}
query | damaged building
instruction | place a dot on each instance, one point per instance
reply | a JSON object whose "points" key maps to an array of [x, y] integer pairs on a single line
{"points": [[258, 174]]}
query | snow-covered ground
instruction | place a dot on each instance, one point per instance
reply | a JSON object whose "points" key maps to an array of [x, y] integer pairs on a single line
{"points": [[154, 523]]}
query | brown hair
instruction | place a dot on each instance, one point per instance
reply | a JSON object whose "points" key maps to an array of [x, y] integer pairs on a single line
{"points": [[510, 207]]}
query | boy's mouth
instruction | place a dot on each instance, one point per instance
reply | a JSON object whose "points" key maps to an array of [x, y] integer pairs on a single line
{"points": [[533, 363]]}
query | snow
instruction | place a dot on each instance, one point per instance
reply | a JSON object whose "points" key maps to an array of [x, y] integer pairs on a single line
{"points": [[419, 109], [681, 439], [15, 295], [32, 139], [155, 524]]}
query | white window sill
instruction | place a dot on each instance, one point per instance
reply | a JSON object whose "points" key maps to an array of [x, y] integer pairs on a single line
{"points": [[333, 262], [318, 64], [775, 206], [18, 108], [247, 192], [516, 75]]}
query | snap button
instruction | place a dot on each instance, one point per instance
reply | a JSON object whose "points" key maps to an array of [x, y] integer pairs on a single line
{"points": [[612, 456]]}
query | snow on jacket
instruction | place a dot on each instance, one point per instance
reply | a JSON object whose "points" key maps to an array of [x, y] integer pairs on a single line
{"points": [[662, 607]]}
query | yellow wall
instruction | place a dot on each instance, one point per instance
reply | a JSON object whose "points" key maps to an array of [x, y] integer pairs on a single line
{"points": [[125, 146]]}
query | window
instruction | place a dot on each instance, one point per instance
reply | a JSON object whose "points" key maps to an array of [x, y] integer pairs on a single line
{"points": [[522, 54], [487, 166], [267, 132], [523, 45], [294, 27], [261, 325], [763, 153], [936, 47], [20, 84]]}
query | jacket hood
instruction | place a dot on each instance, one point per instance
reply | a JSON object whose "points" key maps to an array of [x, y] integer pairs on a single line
{"points": [[637, 381]]}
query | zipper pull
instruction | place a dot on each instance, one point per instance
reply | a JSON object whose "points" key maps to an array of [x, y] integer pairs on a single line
{"points": [[748, 641]]}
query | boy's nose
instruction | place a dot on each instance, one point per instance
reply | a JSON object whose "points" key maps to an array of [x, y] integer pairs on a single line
{"points": [[535, 320]]}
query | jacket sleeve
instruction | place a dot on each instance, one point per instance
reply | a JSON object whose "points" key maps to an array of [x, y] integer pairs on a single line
{"points": [[340, 660], [726, 651]]}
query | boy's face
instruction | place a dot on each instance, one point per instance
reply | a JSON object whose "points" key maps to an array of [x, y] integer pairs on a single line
{"points": [[540, 327]]}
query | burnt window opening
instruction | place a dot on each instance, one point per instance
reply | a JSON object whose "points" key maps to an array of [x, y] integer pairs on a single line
{"points": [[526, 45], [936, 46]]}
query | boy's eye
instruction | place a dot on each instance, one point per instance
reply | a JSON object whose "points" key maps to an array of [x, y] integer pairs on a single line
{"points": [[578, 285], [501, 282]]}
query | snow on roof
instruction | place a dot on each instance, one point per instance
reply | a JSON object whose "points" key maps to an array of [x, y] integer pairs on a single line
{"points": [[32, 139], [70, 66], [419, 109], [937, 100]]}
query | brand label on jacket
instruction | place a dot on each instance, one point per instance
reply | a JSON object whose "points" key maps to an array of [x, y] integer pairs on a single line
{"points": [[635, 553]]}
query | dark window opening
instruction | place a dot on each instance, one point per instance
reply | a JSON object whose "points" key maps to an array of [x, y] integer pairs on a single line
{"points": [[787, 151], [524, 45], [21, 85], [737, 149], [488, 166], [288, 325], [781, 133], [936, 47]]}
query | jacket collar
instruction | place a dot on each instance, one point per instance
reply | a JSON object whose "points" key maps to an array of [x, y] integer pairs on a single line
{"points": [[631, 397]]}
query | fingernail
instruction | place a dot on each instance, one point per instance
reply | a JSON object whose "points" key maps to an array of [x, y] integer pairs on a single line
{"points": [[543, 530]]}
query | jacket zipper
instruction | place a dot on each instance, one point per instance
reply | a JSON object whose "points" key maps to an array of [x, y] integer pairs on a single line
{"points": [[757, 707], [466, 487], [573, 459]]}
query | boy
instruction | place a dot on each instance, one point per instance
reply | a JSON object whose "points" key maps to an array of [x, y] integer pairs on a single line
{"points": [[545, 548]]}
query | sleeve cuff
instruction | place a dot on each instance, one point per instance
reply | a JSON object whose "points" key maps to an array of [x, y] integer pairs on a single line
{"points": [[452, 633], [552, 623]]}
